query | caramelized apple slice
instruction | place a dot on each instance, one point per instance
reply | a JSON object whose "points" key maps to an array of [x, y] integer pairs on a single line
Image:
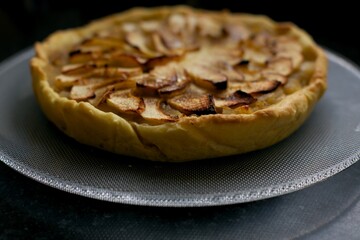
{"points": [[209, 27], [237, 32], [82, 92], [295, 56], [149, 25], [153, 112], [236, 99], [280, 65], [104, 43], [173, 89], [207, 78], [159, 44], [101, 94], [125, 102], [176, 23], [258, 56], [148, 84], [160, 61], [79, 56], [89, 86], [111, 72], [120, 60], [170, 40], [275, 77], [284, 44], [260, 86], [193, 104], [139, 41], [229, 71], [64, 81]]}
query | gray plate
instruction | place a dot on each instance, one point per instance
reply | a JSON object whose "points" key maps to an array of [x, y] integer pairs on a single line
{"points": [[326, 144]]}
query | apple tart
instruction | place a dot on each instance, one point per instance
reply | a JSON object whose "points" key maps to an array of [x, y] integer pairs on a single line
{"points": [[179, 84]]}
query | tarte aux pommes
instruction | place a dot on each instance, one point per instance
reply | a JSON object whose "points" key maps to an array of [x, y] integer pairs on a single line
{"points": [[179, 84]]}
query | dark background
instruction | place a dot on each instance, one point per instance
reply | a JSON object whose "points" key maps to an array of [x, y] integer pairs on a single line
{"points": [[334, 24], [30, 210]]}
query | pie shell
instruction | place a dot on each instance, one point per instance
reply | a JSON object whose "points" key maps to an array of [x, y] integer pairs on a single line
{"points": [[189, 138]]}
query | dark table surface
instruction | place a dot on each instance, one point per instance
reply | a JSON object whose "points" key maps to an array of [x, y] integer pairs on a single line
{"points": [[30, 210]]}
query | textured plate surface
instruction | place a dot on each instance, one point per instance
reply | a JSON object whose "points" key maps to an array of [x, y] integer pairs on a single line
{"points": [[327, 143]]}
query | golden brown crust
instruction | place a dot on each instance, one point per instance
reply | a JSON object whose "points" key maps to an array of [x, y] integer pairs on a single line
{"points": [[191, 137]]}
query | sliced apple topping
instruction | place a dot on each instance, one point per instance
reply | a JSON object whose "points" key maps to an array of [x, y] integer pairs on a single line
{"points": [[234, 100], [182, 64], [257, 56], [160, 61], [78, 56], [237, 32], [125, 102], [64, 81], [209, 27], [261, 86], [295, 57], [280, 65], [229, 71], [170, 40], [207, 78], [177, 23], [193, 104], [153, 112], [149, 25], [274, 77], [105, 43], [140, 41], [82, 92], [111, 72], [119, 60]]}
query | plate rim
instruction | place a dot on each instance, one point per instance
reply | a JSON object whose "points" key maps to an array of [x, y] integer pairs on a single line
{"points": [[195, 200]]}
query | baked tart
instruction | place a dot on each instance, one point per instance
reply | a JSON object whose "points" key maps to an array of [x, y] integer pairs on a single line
{"points": [[179, 84]]}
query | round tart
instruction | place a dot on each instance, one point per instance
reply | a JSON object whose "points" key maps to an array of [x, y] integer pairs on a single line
{"points": [[179, 84]]}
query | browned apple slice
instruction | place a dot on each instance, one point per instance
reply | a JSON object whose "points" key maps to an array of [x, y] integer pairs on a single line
{"points": [[248, 75], [295, 56], [173, 89], [149, 25], [153, 112], [82, 92], [125, 102], [140, 41], [77, 69], [285, 44], [237, 32], [170, 40], [78, 56], [229, 71], [120, 60], [177, 23], [209, 27], [206, 77], [275, 77], [63, 81], [260, 86], [236, 99], [149, 84], [280, 65], [258, 56], [160, 61], [111, 72], [101, 94], [159, 44], [193, 104], [103, 43]]}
